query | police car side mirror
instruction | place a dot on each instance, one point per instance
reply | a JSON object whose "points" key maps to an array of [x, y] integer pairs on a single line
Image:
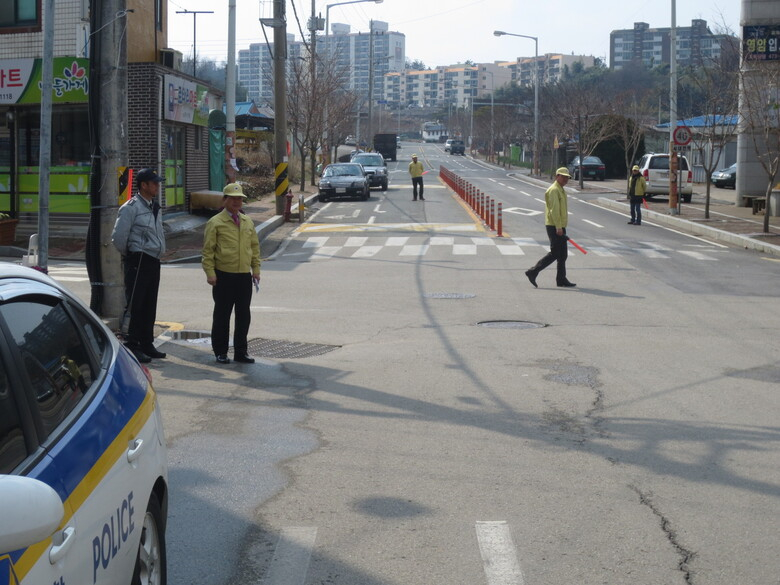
{"points": [[30, 509]]}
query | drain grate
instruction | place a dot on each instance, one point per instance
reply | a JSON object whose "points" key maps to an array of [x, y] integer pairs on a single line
{"points": [[275, 348], [511, 324], [445, 295]]}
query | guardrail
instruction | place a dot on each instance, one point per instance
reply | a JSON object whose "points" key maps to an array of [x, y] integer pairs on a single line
{"points": [[487, 208]]}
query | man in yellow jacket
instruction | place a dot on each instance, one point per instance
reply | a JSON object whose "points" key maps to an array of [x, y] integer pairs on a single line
{"points": [[416, 171], [556, 217], [231, 261], [637, 187]]}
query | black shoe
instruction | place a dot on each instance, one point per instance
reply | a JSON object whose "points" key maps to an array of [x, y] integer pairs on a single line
{"points": [[422, 198], [631, 223], [532, 277], [567, 284], [638, 223], [243, 359], [223, 359], [415, 199], [141, 356], [152, 352]]}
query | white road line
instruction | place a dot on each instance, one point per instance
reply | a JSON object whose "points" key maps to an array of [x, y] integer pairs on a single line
{"points": [[507, 250], [540, 200], [355, 242], [696, 255], [325, 252], [650, 253], [499, 557], [464, 249], [526, 242], [598, 251], [593, 223], [315, 242], [524, 193], [397, 241], [483, 241], [290, 562], [366, 251], [442, 241], [372, 219], [414, 250]]}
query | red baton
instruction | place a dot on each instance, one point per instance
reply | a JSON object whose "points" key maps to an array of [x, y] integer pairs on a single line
{"points": [[644, 202], [576, 245]]}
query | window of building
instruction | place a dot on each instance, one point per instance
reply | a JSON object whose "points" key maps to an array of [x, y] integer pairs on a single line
{"points": [[16, 14], [69, 136]]}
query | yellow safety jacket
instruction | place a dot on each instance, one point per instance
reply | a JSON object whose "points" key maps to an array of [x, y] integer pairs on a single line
{"points": [[555, 206], [228, 247]]}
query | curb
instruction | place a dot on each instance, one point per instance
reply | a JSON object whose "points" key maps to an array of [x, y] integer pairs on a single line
{"points": [[695, 228]]}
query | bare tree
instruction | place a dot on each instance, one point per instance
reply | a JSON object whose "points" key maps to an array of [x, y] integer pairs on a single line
{"points": [[760, 118], [717, 81], [582, 109]]}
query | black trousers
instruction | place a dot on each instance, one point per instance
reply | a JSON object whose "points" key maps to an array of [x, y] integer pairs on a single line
{"points": [[559, 250], [142, 283], [636, 208], [233, 291], [415, 182]]}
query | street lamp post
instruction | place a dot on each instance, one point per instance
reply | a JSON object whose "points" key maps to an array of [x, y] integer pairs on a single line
{"points": [[492, 125], [500, 33], [327, 48]]}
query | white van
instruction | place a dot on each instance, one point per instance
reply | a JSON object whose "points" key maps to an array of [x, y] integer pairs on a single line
{"points": [[655, 169]]}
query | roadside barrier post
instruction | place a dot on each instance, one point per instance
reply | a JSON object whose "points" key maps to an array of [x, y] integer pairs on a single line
{"points": [[500, 226]]}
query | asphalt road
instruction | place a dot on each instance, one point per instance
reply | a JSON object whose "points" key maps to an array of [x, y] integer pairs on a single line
{"points": [[624, 431]]}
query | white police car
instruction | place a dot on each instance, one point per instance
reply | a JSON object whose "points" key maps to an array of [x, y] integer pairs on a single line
{"points": [[83, 469]]}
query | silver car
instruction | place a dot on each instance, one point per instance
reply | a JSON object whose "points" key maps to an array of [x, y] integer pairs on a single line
{"points": [[375, 167]]}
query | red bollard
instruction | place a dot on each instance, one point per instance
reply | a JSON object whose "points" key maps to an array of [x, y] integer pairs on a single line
{"points": [[288, 205], [492, 214], [500, 226]]}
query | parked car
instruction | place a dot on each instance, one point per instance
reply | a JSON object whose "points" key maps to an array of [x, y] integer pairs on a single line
{"points": [[457, 147], [447, 144], [725, 177], [655, 169], [83, 468], [375, 168], [592, 168], [349, 141], [343, 180]]}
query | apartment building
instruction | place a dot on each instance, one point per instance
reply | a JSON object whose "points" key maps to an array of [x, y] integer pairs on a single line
{"points": [[651, 47], [362, 59]]}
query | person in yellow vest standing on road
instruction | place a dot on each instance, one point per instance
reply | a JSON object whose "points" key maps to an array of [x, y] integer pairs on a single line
{"points": [[231, 261], [416, 171], [637, 186]]}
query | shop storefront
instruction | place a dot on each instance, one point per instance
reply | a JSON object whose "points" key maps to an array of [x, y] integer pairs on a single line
{"points": [[20, 98]]}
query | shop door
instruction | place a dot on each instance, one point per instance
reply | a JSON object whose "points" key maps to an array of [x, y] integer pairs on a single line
{"points": [[174, 168]]}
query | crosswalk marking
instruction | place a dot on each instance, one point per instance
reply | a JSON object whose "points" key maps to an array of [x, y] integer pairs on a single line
{"points": [[499, 555], [696, 255], [326, 247], [292, 556]]}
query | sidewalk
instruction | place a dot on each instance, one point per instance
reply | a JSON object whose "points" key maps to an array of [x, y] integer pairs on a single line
{"points": [[184, 233]]}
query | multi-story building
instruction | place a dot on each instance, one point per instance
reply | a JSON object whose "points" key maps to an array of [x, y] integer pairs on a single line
{"points": [[651, 47], [350, 53], [167, 110]]}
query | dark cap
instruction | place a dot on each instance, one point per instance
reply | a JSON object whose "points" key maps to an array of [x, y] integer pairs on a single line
{"points": [[148, 176]]}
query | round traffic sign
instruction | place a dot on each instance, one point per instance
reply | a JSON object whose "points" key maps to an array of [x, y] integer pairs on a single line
{"points": [[682, 135]]}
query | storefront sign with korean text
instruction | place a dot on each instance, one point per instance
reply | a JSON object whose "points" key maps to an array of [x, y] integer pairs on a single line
{"points": [[20, 81], [189, 102]]}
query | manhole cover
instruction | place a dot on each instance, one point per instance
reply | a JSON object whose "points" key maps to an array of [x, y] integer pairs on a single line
{"points": [[444, 295], [511, 324], [275, 348]]}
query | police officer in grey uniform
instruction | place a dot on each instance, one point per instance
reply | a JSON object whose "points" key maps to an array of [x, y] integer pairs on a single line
{"points": [[139, 237]]}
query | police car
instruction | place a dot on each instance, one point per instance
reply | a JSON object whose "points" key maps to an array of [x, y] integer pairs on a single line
{"points": [[83, 468]]}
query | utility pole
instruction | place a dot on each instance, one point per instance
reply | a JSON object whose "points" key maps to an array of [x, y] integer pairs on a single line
{"points": [[673, 185], [280, 104], [230, 96], [47, 74], [369, 137], [108, 106], [194, 34]]}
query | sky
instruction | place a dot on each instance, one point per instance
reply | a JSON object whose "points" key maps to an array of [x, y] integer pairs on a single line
{"points": [[446, 33]]}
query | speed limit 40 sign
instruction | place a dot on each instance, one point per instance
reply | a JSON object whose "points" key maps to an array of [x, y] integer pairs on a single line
{"points": [[682, 136]]}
